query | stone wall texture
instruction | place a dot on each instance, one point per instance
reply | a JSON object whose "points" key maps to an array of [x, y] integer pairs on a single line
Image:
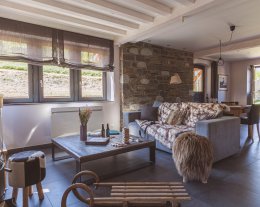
{"points": [[146, 71]]}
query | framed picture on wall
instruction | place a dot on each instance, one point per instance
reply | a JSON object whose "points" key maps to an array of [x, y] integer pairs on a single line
{"points": [[223, 82]]}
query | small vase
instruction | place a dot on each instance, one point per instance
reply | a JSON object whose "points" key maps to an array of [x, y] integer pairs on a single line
{"points": [[83, 133]]}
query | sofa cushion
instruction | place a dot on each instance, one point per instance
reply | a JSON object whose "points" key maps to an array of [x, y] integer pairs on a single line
{"points": [[149, 113], [164, 133]]}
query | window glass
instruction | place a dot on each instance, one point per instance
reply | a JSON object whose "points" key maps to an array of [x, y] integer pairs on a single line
{"points": [[197, 80], [257, 85], [91, 84], [14, 80], [56, 82]]}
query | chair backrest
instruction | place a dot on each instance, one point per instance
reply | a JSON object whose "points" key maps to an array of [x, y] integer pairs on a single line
{"points": [[230, 103], [253, 115]]}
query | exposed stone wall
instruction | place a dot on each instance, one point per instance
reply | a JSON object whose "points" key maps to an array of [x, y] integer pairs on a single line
{"points": [[146, 71]]}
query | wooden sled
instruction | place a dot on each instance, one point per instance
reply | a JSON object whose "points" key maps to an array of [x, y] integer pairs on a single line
{"points": [[128, 193]]}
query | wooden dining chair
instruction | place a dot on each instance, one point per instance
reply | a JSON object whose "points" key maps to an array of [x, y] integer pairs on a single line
{"points": [[251, 118]]}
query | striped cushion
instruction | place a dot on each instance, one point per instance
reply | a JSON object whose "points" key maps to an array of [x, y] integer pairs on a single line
{"points": [[28, 168]]}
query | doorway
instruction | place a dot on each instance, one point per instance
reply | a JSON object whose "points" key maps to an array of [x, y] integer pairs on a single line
{"points": [[198, 83]]}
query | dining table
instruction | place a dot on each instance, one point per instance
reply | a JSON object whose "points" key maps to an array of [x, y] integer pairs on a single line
{"points": [[238, 110]]}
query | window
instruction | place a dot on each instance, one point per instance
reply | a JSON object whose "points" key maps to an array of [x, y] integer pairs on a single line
{"points": [[15, 81], [91, 84], [257, 85], [46, 64], [56, 83], [197, 80]]}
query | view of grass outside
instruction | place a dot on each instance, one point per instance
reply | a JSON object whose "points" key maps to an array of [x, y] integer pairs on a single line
{"points": [[56, 81], [257, 85], [91, 84], [14, 81]]}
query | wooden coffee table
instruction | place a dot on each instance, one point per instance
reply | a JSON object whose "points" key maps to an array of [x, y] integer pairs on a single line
{"points": [[83, 153]]}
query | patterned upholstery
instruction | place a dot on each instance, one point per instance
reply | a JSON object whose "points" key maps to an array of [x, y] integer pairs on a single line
{"points": [[27, 168], [177, 118], [165, 110], [164, 133]]}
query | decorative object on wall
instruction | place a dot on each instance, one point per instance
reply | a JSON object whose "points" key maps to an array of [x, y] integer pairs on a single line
{"points": [[220, 60], [175, 79], [223, 82]]}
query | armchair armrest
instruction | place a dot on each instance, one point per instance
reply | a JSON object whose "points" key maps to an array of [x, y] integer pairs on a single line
{"points": [[224, 134], [130, 117]]}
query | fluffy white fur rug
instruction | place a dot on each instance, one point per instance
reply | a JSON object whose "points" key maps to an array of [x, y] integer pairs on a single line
{"points": [[193, 156]]}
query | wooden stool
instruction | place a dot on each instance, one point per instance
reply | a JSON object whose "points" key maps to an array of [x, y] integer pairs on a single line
{"points": [[27, 169]]}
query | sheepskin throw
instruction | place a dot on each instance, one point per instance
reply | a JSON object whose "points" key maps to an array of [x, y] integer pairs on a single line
{"points": [[193, 156]]}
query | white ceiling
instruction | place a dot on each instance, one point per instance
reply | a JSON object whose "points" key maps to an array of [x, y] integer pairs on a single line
{"points": [[205, 29], [193, 25]]}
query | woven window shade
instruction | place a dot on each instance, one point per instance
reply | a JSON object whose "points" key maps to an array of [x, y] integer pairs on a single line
{"points": [[36, 44]]}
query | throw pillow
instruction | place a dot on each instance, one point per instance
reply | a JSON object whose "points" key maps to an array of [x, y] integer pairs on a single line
{"points": [[201, 112], [176, 116], [165, 110], [149, 113]]}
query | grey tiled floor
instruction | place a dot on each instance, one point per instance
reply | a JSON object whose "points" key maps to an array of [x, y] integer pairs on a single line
{"points": [[234, 182]]}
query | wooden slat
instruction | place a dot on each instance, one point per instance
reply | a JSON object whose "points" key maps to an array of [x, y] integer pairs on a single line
{"points": [[138, 183], [150, 199], [147, 190], [127, 12], [145, 187], [148, 194]]}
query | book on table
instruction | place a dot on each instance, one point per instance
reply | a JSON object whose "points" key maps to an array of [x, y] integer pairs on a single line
{"points": [[97, 141]]}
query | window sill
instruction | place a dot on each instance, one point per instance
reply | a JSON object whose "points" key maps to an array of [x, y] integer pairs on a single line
{"points": [[56, 102]]}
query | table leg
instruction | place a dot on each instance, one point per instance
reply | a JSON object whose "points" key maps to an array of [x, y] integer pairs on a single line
{"points": [[152, 154], [78, 169], [53, 151], [251, 131]]}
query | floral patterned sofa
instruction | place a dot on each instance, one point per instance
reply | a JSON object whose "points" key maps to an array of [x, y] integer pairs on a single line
{"points": [[205, 119]]}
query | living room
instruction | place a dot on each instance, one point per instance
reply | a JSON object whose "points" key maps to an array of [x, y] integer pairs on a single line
{"points": [[75, 70]]}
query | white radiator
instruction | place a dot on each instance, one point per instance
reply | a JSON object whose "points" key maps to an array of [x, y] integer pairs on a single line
{"points": [[65, 120]]}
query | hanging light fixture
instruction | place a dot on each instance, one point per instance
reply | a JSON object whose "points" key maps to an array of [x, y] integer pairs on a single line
{"points": [[220, 60]]}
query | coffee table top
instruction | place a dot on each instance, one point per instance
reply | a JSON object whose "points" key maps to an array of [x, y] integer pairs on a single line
{"points": [[82, 152]]}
